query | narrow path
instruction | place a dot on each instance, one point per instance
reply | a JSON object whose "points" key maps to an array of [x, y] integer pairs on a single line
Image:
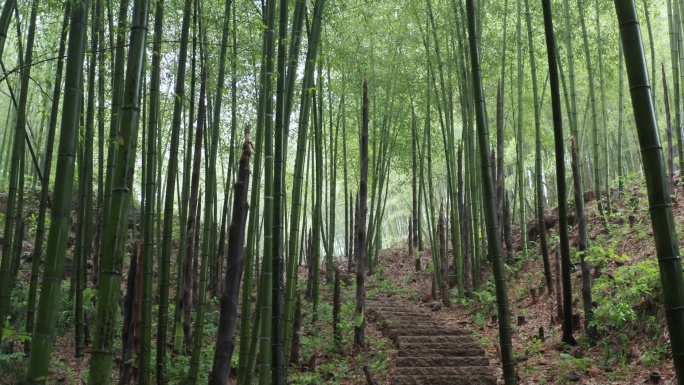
{"points": [[429, 352]]}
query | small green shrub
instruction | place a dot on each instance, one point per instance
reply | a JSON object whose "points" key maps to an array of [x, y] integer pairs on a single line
{"points": [[654, 356], [619, 294], [12, 368]]}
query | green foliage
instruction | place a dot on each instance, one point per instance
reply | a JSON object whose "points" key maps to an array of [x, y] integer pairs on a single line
{"points": [[384, 285], [655, 356], [601, 257], [17, 313], [571, 362], [336, 364], [485, 301], [58, 366], [619, 294], [12, 368]]}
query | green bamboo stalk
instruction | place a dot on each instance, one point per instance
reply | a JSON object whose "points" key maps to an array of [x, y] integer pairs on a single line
{"points": [[500, 175], [122, 185], [520, 146], [447, 127], [431, 193], [183, 296], [293, 54], [266, 281], [210, 180], [667, 248], [44, 184], [215, 122], [541, 219], [604, 122], [592, 97], [19, 231], [205, 261], [5, 137], [560, 174], [318, 234], [679, 43], [85, 184], [115, 115], [332, 180], [674, 55], [474, 201], [100, 146], [414, 184], [153, 129], [582, 247], [489, 203], [248, 337], [295, 211], [621, 119], [172, 169], [5, 19], [13, 215], [43, 336], [443, 269], [278, 363], [647, 15], [572, 100], [359, 319], [233, 134]]}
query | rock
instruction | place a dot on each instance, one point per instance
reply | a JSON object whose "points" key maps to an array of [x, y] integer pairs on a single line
{"points": [[655, 377], [573, 376], [426, 297], [453, 281]]}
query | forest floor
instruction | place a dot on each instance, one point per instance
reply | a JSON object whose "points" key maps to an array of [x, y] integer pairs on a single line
{"points": [[633, 340]]}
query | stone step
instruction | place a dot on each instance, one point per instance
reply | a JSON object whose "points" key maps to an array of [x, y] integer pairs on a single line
{"points": [[456, 371], [394, 310], [429, 331], [433, 362], [456, 340], [429, 352], [406, 323], [436, 379], [459, 351], [380, 315], [438, 346]]}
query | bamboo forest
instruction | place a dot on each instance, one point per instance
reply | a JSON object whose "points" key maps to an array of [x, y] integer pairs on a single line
{"points": [[337, 192]]}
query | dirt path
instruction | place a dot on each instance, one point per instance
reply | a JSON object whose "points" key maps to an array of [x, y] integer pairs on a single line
{"points": [[429, 352]]}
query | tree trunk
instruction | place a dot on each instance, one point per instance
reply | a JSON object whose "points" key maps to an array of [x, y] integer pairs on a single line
{"points": [[443, 267], [655, 174], [191, 234], [541, 218], [560, 174], [337, 332], [128, 318], [359, 321], [225, 336], [668, 131], [44, 184], [414, 231], [294, 351], [165, 254], [582, 246]]}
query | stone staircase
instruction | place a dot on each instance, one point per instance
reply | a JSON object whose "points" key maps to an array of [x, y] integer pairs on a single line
{"points": [[429, 352]]}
